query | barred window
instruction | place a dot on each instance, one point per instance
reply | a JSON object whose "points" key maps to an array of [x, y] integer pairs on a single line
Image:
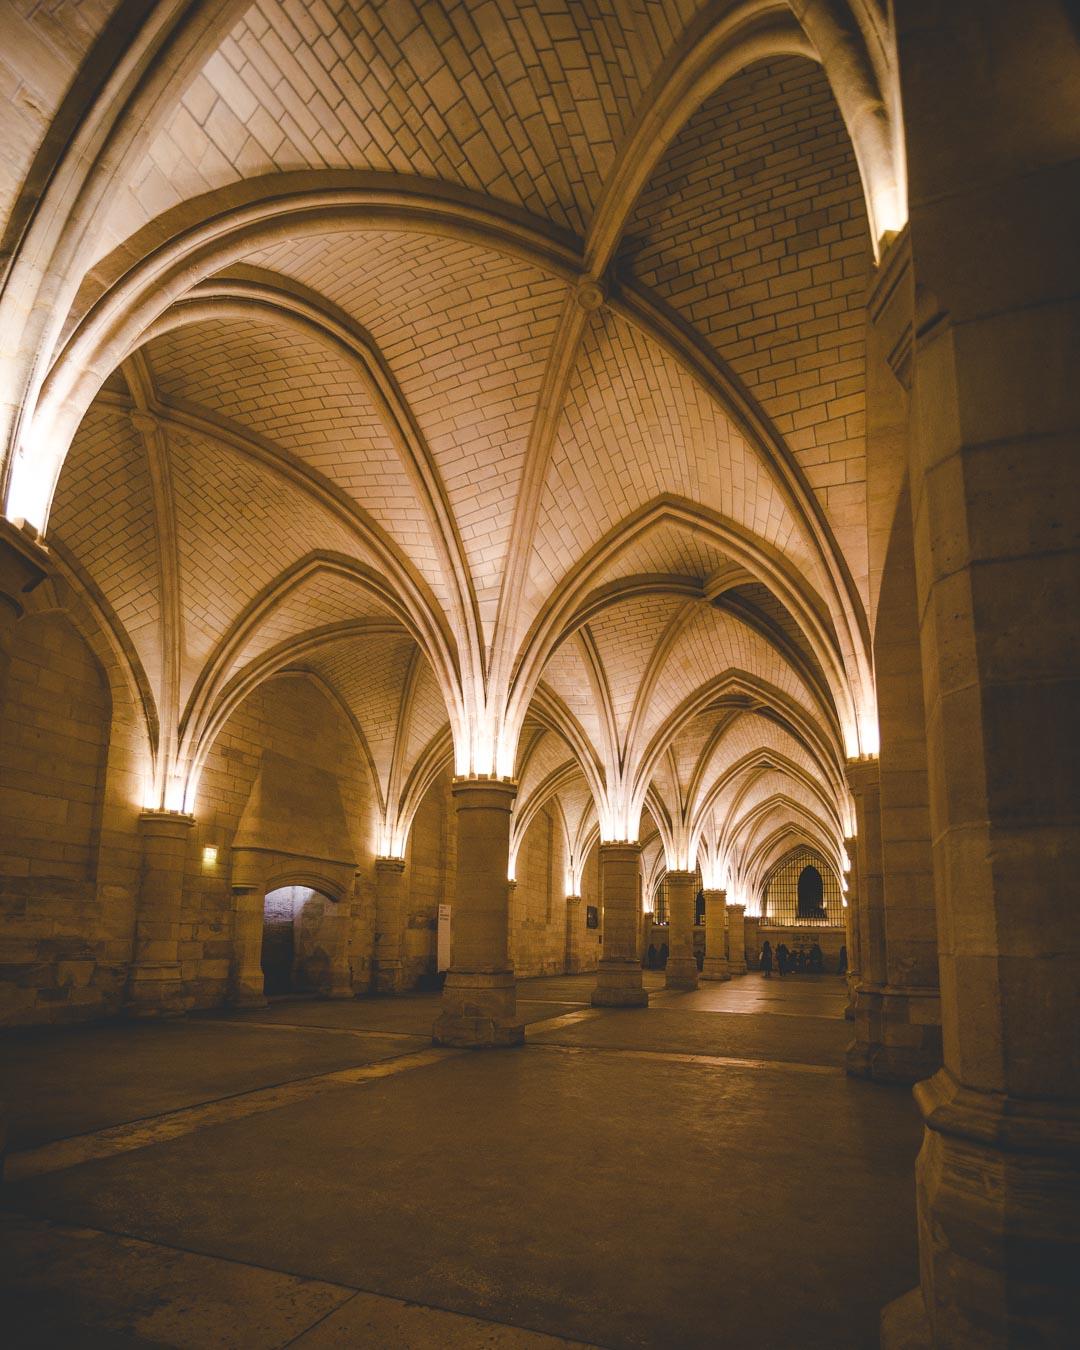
{"points": [[803, 888]]}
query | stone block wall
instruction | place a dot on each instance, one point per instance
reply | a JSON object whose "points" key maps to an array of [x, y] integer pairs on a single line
{"points": [[431, 870], [68, 851], [538, 902], [292, 717]]}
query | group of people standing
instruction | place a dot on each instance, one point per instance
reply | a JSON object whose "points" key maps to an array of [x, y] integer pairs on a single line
{"points": [[797, 962]]}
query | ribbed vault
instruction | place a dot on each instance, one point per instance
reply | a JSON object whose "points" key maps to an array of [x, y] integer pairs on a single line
{"points": [[502, 368]]}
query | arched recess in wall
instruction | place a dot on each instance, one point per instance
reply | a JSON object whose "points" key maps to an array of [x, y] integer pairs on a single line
{"points": [[287, 799], [301, 938], [802, 888]]}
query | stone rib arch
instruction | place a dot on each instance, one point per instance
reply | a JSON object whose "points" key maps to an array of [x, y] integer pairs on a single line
{"points": [[704, 809], [120, 316], [198, 734], [570, 604], [133, 734], [746, 691], [282, 301], [770, 852], [369, 583], [723, 41], [793, 812], [72, 592], [436, 759]]}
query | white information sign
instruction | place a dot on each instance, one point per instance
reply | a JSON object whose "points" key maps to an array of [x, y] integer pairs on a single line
{"points": [[442, 961]]}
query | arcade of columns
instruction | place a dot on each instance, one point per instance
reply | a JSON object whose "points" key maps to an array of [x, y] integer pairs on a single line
{"points": [[488, 423]]}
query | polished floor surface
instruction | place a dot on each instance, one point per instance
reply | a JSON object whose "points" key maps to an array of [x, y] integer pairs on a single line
{"points": [[698, 1173]]}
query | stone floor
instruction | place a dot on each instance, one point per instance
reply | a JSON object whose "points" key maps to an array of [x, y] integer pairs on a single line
{"points": [[700, 1173]]}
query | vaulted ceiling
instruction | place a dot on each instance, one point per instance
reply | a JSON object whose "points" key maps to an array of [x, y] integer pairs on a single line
{"points": [[503, 366]]}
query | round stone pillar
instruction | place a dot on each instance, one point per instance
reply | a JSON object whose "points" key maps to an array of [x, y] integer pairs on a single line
{"points": [[716, 966], [479, 1003], [390, 894], [154, 987], [618, 980], [681, 971], [736, 939]]}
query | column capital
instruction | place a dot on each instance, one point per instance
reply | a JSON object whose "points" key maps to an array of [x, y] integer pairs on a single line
{"points": [[615, 848], [389, 864], [680, 877], [173, 824], [714, 893], [484, 794], [863, 775]]}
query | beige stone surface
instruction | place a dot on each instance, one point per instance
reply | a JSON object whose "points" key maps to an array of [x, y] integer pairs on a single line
{"points": [[655, 425]]}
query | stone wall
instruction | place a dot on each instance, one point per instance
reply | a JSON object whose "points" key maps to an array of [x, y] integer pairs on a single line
{"points": [[66, 926], [431, 872], [290, 716], [538, 901]]}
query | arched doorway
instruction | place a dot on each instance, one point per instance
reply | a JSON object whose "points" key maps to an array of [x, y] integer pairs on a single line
{"points": [[298, 941]]}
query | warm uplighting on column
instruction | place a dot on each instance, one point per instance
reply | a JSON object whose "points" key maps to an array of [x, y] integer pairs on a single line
{"points": [[712, 871], [34, 472]]}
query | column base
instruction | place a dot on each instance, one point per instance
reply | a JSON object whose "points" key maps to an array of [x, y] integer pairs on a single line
{"points": [[618, 985], [388, 980], [247, 996], [715, 968], [997, 1194], [904, 1323], [681, 972], [897, 1034], [155, 989], [479, 1011]]}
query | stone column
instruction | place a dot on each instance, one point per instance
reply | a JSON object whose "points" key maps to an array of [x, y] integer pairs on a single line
{"points": [[391, 892], [479, 1001], [576, 934], [618, 980], [154, 987], [736, 939], [247, 984], [909, 1022], [716, 966], [851, 926], [864, 783], [513, 920], [682, 971], [994, 486], [20, 571]]}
